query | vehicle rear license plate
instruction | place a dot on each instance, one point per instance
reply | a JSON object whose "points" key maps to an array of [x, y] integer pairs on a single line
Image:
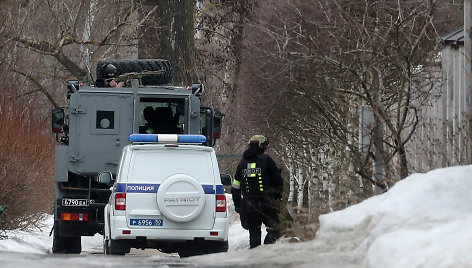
{"points": [[76, 202], [146, 222]]}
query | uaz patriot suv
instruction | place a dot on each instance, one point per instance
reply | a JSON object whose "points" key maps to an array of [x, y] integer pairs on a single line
{"points": [[167, 195]]}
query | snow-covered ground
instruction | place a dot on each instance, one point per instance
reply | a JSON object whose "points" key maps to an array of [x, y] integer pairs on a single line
{"points": [[37, 240], [423, 221]]}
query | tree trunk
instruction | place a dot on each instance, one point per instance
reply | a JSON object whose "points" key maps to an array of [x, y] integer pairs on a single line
{"points": [[170, 35], [300, 186], [403, 162]]}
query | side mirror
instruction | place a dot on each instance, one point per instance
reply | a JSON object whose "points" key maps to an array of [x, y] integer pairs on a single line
{"points": [[72, 87], [226, 179], [218, 117], [105, 177], [57, 119], [197, 89]]}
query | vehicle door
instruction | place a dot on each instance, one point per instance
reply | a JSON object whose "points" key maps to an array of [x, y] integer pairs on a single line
{"points": [[100, 124]]}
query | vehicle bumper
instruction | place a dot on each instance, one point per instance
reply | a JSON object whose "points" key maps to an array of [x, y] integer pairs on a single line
{"points": [[118, 224], [93, 225]]}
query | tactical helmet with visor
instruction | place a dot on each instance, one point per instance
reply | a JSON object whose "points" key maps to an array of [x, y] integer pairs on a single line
{"points": [[259, 141]]}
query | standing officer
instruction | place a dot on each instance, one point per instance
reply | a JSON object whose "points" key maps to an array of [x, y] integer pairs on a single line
{"points": [[257, 190]]}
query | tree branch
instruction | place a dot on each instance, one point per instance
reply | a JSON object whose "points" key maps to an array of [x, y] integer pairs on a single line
{"points": [[40, 87]]}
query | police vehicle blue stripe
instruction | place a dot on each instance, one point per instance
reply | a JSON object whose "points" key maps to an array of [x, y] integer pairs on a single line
{"points": [[152, 188], [137, 188], [209, 189]]}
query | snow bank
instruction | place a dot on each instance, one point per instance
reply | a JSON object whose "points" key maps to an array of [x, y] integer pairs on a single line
{"points": [[37, 240], [423, 221]]}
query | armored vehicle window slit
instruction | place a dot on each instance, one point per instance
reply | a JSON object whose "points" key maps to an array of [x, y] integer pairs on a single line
{"points": [[161, 115]]}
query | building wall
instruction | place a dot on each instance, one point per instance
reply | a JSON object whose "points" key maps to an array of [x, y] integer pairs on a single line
{"points": [[443, 137]]}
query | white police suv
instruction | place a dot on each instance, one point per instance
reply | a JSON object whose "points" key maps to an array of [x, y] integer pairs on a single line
{"points": [[167, 195]]}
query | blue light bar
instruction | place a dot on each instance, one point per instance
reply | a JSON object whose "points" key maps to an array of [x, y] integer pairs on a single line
{"points": [[191, 138], [167, 138]]}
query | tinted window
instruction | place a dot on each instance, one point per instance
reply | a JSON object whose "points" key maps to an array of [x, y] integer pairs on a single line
{"points": [[155, 167]]}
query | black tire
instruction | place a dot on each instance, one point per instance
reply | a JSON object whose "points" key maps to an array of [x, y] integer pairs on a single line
{"points": [[65, 244], [189, 252], [216, 247], [130, 66], [117, 247]]}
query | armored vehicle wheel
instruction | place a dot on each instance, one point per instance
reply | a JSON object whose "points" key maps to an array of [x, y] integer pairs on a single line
{"points": [[62, 244], [138, 66]]}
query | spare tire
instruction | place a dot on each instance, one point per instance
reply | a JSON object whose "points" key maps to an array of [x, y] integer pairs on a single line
{"points": [[137, 66], [181, 198]]}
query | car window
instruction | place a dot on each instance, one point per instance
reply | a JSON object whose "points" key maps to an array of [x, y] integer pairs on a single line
{"points": [[156, 166]]}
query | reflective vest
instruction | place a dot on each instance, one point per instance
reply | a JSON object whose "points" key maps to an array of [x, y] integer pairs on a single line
{"points": [[252, 180]]}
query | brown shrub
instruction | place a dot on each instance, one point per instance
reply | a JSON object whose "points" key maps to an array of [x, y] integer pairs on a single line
{"points": [[26, 165]]}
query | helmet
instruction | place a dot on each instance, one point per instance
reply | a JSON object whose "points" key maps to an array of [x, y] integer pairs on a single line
{"points": [[259, 141], [109, 69]]}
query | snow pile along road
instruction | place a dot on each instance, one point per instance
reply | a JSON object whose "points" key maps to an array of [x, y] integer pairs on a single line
{"points": [[423, 221], [37, 240]]}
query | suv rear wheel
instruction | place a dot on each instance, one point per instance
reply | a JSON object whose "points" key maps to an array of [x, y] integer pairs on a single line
{"points": [[216, 247], [116, 247], [189, 252]]}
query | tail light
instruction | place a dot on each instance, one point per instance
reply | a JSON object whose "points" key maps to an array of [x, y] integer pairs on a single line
{"points": [[220, 203], [120, 201], [73, 216]]}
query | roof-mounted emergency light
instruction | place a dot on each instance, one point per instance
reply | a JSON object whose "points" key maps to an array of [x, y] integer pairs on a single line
{"points": [[167, 138]]}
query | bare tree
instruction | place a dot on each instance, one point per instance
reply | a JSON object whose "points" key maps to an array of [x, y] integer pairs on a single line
{"points": [[310, 66], [168, 32], [48, 40]]}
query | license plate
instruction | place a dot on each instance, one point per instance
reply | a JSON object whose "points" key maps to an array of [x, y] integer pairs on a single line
{"points": [[76, 202], [146, 222]]}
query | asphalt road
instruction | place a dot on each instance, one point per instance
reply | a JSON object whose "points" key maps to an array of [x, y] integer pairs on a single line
{"points": [[134, 259]]}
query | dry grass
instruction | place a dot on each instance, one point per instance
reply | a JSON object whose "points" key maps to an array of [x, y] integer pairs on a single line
{"points": [[26, 166], [302, 228]]}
